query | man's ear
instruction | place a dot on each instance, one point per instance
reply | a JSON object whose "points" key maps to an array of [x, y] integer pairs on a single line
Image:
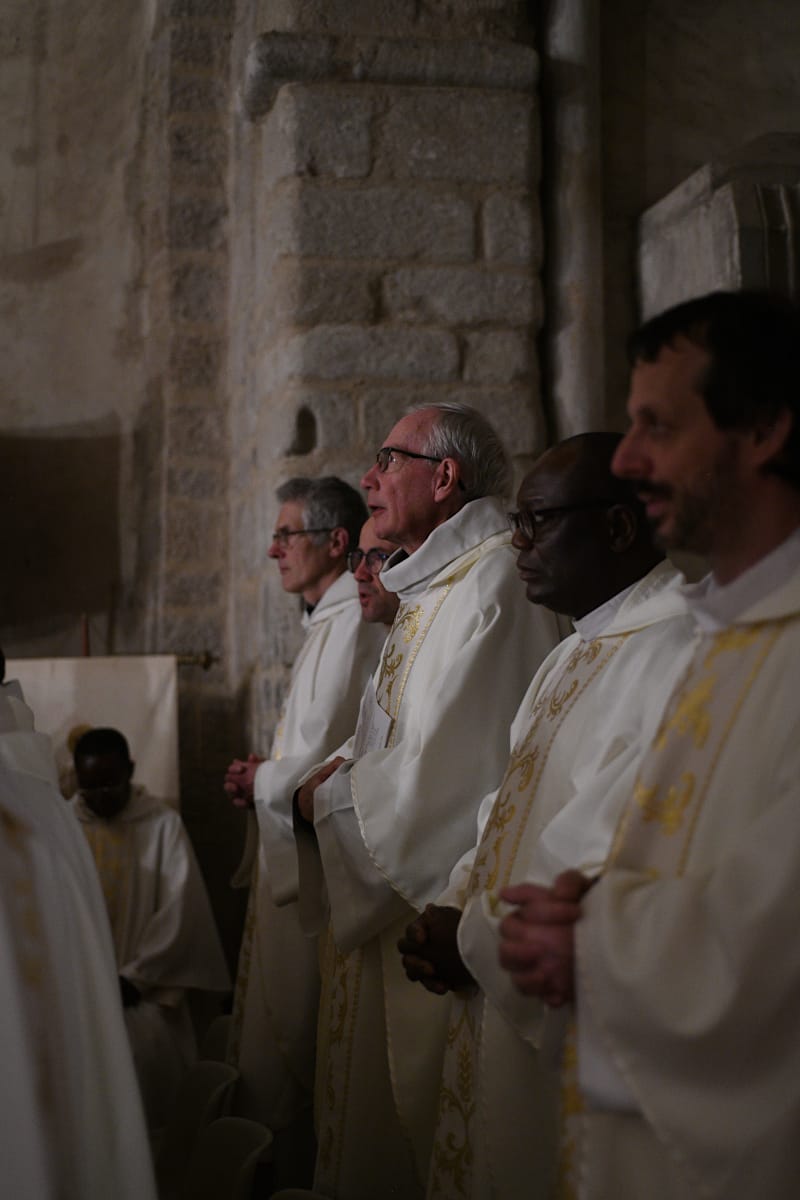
{"points": [[131, 766], [340, 542], [769, 439], [447, 480], [621, 528]]}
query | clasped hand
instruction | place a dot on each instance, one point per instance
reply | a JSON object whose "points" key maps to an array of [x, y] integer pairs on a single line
{"points": [[537, 940]]}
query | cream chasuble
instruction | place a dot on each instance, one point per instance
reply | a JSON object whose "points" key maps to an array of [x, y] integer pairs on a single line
{"points": [[390, 827], [164, 934], [576, 741], [277, 986], [687, 956], [72, 1123]]}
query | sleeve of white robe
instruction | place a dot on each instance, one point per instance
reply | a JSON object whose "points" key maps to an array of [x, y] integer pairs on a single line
{"points": [[415, 803], [323, 719], [478, 938], [694, 985]]}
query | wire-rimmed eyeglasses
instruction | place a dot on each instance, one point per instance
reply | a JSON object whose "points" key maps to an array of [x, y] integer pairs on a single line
{"points": [[374, 560], [282, 535], [531, 521]]}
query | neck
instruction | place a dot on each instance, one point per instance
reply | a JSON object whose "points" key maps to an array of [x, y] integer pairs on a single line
{"points": [[757, 535], [314, 593]]}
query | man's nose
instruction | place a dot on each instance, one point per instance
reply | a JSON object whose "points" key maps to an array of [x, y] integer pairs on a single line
{"points": [[628, 461], [368, 480]]}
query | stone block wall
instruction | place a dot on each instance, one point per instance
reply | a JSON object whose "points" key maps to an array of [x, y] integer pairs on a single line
{"points": [[394, 260]]}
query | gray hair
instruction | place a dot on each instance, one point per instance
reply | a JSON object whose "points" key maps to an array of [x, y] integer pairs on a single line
{"points": [[462, 433], [327, 503]]}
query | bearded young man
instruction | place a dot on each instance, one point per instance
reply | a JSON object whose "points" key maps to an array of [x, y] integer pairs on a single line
{"points": [[681, 960]]}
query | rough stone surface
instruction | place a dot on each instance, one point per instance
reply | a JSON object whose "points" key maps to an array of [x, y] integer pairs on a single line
{"points": [[457, 135], [198, 152], [375, 223], [460, 296], [282, 56], [189, 589], [318, 132], [196, 93], [197, 432], [195, 532], [194, 482], [324, 293], [512, 230], [335, 413], [188, 633], [501, 356], [197, 223], [196, 362], [198, 293], [342, 352]]}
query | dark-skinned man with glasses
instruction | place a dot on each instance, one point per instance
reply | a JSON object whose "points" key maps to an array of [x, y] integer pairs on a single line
{"points": [[379, 832], [275, 1005], [584, 549]]}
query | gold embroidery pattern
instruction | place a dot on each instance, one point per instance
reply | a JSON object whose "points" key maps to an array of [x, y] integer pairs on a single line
{"points": [[691, 716], [408, 621], [586, 652], [113, 859], [557, 701], [341, 983], [666, 811], [388, 675], [696, 727], [572, 1109], [402, 647], [452, 1161], [452, 1154]]}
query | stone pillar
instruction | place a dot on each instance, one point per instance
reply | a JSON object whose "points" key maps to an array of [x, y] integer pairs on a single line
{"points": [[188, 228], [392, 259], [734, 223], [573, 197]]}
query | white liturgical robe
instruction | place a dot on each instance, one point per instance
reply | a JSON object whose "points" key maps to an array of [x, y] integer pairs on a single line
{"points": [[72, 1125], [277, 987], [575, 744], [391, 825], [687, 960], [164, 935]]}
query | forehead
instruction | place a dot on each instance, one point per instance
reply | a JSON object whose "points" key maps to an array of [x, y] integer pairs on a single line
{"points": [[411, 430], [673, 379], [110, 762], [291, 515], [555, 479]]}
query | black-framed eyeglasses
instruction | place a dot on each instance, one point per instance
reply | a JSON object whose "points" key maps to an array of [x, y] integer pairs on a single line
{"points": [[373, 558], [531, 521], [282, 535], [385, 457]]}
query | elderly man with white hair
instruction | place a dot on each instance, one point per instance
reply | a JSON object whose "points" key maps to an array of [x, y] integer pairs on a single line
{"points": [[380, 829]]}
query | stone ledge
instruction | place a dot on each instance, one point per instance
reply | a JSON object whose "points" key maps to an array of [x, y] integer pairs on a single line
{"points": [[278, 58]]}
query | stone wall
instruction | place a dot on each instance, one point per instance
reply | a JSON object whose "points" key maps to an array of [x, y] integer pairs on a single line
{"points": [[392, 259]]}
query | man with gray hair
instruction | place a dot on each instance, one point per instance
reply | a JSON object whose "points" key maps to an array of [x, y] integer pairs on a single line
{"points": [[275, 1006], [380, 827]]}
